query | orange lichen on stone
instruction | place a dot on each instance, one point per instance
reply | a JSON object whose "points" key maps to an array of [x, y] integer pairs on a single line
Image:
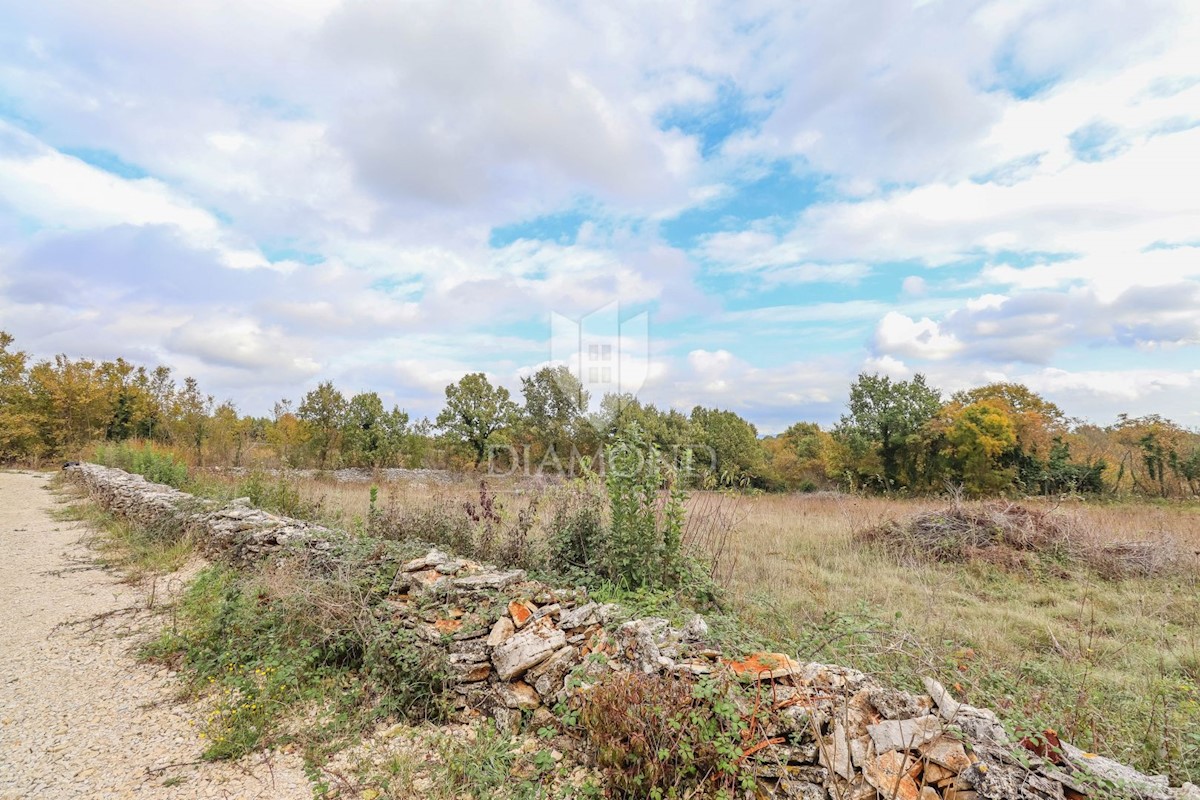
{"points": [[764, 666], [520, 613], [448, 626]]}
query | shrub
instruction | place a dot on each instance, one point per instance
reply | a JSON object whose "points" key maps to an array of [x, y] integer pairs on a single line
{"points": [[271, 641], [661, 737], [156, 464], [277, 495], [578, 530], [646, 502]]}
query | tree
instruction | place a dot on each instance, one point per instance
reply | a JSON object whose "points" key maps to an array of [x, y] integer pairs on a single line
{"points": [[475, 412], [322, 410], [981, 435], [191, 417], [884, 420], [553, 417], [1037, 424], [733, 445], [19, 437], [286, 432], [372, 437], [798, 457], [230, 434]]}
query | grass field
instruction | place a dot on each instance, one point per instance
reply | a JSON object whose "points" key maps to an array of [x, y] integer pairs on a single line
{"points": [[1112, 664]]}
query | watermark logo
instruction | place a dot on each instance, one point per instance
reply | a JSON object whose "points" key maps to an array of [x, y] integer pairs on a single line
{"points": [[607, 360], [607, 356]]}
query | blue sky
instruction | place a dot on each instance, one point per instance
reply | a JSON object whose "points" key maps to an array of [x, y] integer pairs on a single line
{"points": [[268, 195]]}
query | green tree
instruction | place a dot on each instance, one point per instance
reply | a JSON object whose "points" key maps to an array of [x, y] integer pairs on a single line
{"points": [[884, 422], [732, 443], [372, 437], [475, 413], [553, 416], [323, 411]]}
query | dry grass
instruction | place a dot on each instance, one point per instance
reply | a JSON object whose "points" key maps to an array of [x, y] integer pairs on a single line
{"points": [[1021, 537], [1112, 663]]}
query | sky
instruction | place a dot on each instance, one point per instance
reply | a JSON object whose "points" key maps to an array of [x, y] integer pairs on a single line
{"points": [[391, 195]]}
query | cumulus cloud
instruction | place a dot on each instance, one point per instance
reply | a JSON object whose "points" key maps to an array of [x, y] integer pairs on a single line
{"points": [[897, 334], [265, 195]]}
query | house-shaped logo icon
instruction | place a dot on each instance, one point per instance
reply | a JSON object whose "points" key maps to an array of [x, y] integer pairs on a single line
{"points": [[606, 355]]}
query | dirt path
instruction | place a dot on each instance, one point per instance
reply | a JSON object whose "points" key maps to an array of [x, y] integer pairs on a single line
{"points": [[79, 717]]}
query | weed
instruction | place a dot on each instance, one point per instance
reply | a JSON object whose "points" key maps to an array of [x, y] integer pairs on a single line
{"points": [[158, 465], [266, 644], [657, 736]]}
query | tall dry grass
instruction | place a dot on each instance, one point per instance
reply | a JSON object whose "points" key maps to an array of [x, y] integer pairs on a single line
{"points": [[1112, 663]]}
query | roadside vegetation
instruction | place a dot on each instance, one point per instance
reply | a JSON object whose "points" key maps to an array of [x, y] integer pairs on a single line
{"points": [[1078, 617]]}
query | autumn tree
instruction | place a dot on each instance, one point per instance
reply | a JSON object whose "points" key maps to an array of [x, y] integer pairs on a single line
{"points": [[982, 437], [19, 437], [230, 434], [191, 418], [798, 458], [286, 433]]}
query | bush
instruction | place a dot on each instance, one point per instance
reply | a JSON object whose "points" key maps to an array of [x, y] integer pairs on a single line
{"points": [[578, 530], [646, 502], [156, 464], [293, 635], [661, 737], [278, 495]]}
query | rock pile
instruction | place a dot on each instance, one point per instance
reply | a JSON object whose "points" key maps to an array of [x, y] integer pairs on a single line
{"points": [[517, 646]]}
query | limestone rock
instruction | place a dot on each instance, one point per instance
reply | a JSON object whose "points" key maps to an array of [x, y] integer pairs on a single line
{"points": [[430, 560], [947, 705], [894, 704], [548, 677], [946, 752], [580, 617], [636, 641], [888, 773], [764, 666], [1147, 785], [518, 695], [906, 734], [526, 649], [490, 580], [696, 629], [521, 613], [501, 631]]}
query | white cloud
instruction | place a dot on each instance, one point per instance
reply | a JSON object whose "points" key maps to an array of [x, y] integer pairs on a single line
{"points": [[370, 152], [897, 334]]}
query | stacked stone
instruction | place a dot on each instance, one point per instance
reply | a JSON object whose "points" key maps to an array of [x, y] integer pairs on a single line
{"points": [[519, 646], [234, 532]]}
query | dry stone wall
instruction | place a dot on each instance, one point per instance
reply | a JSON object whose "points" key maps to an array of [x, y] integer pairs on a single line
{"points": [[519, 646]]}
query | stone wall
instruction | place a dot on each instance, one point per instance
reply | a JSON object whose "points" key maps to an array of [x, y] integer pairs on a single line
{"points": [[514, 645]]}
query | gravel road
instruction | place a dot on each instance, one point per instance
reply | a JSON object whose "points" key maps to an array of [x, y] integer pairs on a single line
{"points": [[79, 717]]}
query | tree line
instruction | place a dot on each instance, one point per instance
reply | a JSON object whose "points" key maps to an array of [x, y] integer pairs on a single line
{"points": [[895, 437]]}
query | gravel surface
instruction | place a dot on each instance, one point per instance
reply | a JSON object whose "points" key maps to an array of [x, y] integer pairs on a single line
{"points": [[79, 717]]}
